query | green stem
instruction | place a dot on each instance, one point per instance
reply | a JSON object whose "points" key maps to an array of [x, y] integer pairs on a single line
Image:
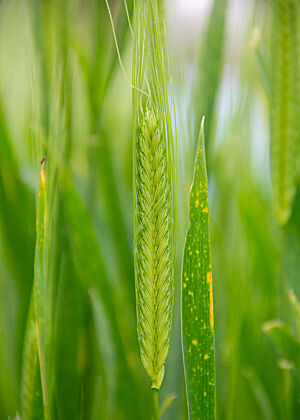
{"points": [[155, 403]]}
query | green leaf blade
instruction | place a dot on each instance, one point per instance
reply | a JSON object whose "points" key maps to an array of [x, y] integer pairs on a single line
{"points": [[92, 272], [31, 390], [283, 339], [40, 286], [197, 299]]}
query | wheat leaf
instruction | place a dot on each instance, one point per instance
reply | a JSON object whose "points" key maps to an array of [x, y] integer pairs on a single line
{"points": [[69, 329], [285, 342], [211, 64], [40, 285], [91, 269], [197, 299], [31, 390]]}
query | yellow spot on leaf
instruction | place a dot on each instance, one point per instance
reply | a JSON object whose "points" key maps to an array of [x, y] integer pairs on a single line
{"points": [[197, 203], [184, 285], [205, 210], [211, 309], [204, 393], [205, 356], [42, 178], [195, 342], [191, 293]]}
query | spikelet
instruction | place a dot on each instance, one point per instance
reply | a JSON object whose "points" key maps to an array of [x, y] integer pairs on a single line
{"points": [[285, 105], [154, 244]]}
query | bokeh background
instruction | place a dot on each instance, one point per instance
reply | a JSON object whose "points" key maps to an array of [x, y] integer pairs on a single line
{"points": [[63, 95]]}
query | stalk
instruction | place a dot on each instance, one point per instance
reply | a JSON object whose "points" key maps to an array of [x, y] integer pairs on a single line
{"points": [[155, 404]]}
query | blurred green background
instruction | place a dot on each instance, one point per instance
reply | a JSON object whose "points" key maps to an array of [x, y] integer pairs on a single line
{"points": [[63, 95]]}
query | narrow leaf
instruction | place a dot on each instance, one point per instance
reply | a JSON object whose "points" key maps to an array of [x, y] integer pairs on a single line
{"points": [[211, 64], [70, 364], [296, 309], [197, 299], [40, 289], [108, 357], [91, 269], [259, 393], [284, 341], [31, 390]]}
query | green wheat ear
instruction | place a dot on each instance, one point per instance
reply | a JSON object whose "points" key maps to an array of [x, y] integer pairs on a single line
{"points": [[154, 192], [154, 244], [285, 104]]}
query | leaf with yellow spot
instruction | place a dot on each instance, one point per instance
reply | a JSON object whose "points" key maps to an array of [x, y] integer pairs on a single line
{"points": [[40, 285], [197, 299]]}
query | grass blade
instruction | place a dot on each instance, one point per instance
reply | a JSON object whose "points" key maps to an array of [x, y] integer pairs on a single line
{"points": [[91, 269], [31, 390], [197, 299], [259, 393], [108, 407], [211, 65], [40, 286], [284, 341], [70, 363]]}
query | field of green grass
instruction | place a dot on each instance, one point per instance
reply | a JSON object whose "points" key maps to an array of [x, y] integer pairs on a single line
{"points": [[148, 272]]}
